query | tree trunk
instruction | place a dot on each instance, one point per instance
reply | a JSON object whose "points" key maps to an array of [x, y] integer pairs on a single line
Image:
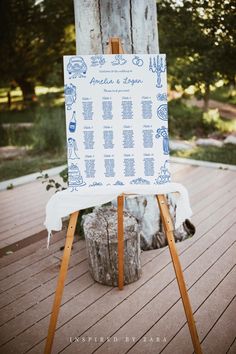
{"points": [[206, 97], [100, 229], [28, 90]]}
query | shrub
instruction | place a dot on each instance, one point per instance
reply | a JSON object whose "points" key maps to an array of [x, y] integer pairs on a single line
{"points": [[186, 122], [49, 130], [15, 135]]}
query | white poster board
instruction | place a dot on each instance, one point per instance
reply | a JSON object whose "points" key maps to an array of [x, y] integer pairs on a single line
{"points": [[116, 120]]}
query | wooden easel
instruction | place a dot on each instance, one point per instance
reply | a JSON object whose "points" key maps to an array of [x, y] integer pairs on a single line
{"points": [[115, 47]]}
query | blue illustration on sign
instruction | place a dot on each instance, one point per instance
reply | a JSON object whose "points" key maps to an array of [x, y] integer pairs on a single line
{"points": [[137, 61], [139, 180], [119, 60], [72, 124], [70, 95], [97, 60], [163, 132], [157, 65], [74, 177], [119, 183], [96, 184], [162, 111], [76, 67], [164, 176], [162, 97], [72, 148]]}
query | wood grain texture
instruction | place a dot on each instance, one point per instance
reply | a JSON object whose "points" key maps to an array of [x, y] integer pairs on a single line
{"points": [[134, 21], [168, 226], [116, 22], [87, 27], [113, 246], [144, 27], [144, 308], [61, 282]]}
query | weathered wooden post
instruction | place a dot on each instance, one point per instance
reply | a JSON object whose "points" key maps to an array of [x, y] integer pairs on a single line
{"points": [[134, 21]]}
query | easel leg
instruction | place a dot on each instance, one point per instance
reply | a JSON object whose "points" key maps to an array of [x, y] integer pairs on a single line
{"points": [[168, 226], [120, 226], [60, 282]]}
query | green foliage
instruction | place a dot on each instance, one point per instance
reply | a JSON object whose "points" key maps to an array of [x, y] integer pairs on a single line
{"points": [[64, 175], [186, 122], [34, 36], [3, 136], [51, 183], [29, 164], [49, 131], [225, 154], [15, 135], [199, 39], [224, 94], [18, 116]]}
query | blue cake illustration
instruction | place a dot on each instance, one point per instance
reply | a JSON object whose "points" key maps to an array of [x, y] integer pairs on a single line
{"points": [[75, 178]]}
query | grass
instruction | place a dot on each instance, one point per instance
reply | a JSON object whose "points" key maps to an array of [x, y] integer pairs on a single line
{"points": [[225, 154], [29, 164], [46, 98], [224, 94], [186, 122]]}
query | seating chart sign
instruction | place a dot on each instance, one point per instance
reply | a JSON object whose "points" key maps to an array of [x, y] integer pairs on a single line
{"points": [[116, 120]]}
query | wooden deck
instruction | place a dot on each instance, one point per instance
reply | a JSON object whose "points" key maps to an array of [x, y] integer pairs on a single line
{"points": [[22, 215], [147, 316]]}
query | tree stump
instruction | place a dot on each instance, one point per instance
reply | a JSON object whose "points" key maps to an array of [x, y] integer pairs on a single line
{"points": [[100, 230]]}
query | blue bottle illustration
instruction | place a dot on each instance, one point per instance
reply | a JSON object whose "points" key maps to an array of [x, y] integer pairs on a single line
{"points": [[72, 124]]}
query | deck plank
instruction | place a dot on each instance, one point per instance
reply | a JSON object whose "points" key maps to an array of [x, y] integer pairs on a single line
{"points": [[145, 308], [207, 314], [223, 332], [135, 323], [105, 305]]}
